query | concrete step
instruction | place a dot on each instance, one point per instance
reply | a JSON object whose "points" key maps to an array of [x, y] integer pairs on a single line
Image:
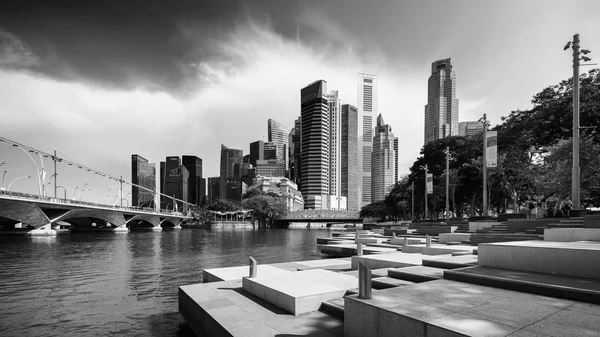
{"points": [[571, 288], [453, 262], [388, 282], [416, 274], [334, 308]]}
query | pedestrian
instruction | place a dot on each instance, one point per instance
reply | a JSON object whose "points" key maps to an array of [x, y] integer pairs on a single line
{"points": [[532, 208], [551, 204], [566, 206]]}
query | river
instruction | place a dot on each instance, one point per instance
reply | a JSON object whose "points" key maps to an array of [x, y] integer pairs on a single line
{"points": [[111, 284]]}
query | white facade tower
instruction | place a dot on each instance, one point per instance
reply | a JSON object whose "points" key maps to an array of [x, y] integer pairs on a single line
{"points": [[367, 108]]}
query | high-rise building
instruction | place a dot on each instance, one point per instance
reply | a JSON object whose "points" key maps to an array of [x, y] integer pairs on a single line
{"points": [[315, 144], [196, 184], [230, 184], [175, 184], [278, 135], [143, 174], [213, 190], [441, 111], [383, 161], [367, 108], [335, 125], [396, 177], [270, 168], [349, 157], [257, 151], [470, 128]]}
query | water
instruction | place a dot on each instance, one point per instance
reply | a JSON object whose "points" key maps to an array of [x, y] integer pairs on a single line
{"points": [[109, 284]]}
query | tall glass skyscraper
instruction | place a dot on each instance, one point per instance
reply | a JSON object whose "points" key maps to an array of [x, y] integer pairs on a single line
{"points": [[279, 135], [441, 111], [315, 144], [143, 174], [231, 184], [367, 108], [335, 125], [349, 157], [196, 184], [383, 165]]}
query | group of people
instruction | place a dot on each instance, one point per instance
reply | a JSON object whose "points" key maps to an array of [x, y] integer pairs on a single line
{"points": [[553, 206]]}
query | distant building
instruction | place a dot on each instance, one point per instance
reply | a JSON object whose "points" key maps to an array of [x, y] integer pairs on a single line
{"points": [[335, 125], [270, 168], [214, 190], [383, 161], [367, 108], [229, 158], [175, 185], [396, 177], [349, 170], [470, 128], [278, 135], [314, 168], [283, 187], [295, 153], [143, 174], [441, 111], [196, 184]]}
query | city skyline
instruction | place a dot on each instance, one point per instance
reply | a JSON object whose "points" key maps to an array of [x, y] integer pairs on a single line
{"points": [[97, 99]]}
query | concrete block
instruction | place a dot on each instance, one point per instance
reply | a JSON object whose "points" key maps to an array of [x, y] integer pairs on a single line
{"points": [[571, 234], [450, 237]]}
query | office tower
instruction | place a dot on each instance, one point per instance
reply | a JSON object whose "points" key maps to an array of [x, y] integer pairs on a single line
{"points": [[231, 184], [196, 184], [270, 168], [213, 190], [441, 111], [295, 152], [334, 103], [396, 160], [143, 174], [470, 128], [257, 151], [349, 180], [270, 152], [278, 135], [367, 108], [176, 184], [383, 161], [314, 167]]}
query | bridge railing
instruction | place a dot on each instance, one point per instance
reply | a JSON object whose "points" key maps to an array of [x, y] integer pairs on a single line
{"points": [[28, 196]]}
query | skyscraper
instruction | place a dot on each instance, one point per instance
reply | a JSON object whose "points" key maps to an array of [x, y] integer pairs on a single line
{"points": [[278, 135], [213, 190], [295, 145], [441, 111], [143, 174], [349, 157], [315, 144], [229, 180], [175, 184], [367, 108], [383, 161], [396, 160], [196, 184], [335, 125], [470, 128]]}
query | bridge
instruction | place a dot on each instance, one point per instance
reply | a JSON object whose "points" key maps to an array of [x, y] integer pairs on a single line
{"points": [[22, 213], [319, 216]]}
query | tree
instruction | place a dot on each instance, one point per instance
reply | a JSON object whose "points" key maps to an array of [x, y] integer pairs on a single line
{"points": [[223, 206], [265, 207], [375, 209]]}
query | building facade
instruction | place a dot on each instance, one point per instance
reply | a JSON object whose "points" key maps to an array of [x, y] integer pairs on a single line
{"points": [[175, 185], [349, 170], [314, 144], [229, 158], [143, 174], [470, 128], [214, 191], [441, 111], [335, 125], [367, 108], [283, 187], [278, 135], [295, 152], [383, 165], [196, 184]]}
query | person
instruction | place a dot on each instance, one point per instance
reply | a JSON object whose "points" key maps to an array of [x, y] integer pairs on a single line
{"points": [[566, 206], [551, 204], [532, 208]]}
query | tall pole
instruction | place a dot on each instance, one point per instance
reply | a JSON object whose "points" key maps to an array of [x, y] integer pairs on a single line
{"points": [[447, 180], [55, 176], [485, 165], [575, 183], [121, 190], [426, 210], [412, 213]]}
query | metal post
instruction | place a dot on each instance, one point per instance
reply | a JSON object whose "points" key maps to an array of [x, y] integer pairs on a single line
{"points": [[426, 210], [359, 249], [427, 241], [447, 180], [55, 175], [364, 281], [406, 241], [253, 267], [575, 183], [412, 213], [484, 165]]}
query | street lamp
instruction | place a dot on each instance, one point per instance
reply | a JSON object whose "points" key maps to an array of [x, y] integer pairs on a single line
{"points": [[2, 186], [65, 190], [40, 175], [81, 191], [12, 182], [81, 194], [426, 210]]}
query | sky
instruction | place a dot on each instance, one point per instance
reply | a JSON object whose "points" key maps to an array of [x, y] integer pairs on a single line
{"points": [[101, 80]]}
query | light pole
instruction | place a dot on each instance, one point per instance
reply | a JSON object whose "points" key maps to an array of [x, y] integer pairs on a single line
{"points": [[77, 196], [12, 182], [412, 213], [426, 210], [81, 193], [39, 175], [125, 198], [2, 186], [65, 190], [484, 210], [576, 177]]}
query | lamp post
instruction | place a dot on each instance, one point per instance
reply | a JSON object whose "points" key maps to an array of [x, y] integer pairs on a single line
{"points": [[125, 198], [2, 186], [39, 175], [65, 190], [12, 182], [412, 213], [77, 196], [484, 165], [81, 193], [426, 210]]}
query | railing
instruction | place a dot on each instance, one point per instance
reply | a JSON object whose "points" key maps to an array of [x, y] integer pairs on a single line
{"points": [[328, 214], [21, 195]]}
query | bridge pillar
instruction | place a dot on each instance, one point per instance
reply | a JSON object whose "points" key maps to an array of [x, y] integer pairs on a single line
{"points": [[121, 229], [157, 228], [45, 230]]}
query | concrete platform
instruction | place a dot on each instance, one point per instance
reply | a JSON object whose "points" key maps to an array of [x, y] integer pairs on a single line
{"points": [[350, 250], [576, 259], [450, 237], [579, 289], [236, 273], [411, 241], [449, 308], [390, 260], [223, 309], [452, 262], [435, 249], [300, 292], [417, 274], [571, 234], [388, 282]]}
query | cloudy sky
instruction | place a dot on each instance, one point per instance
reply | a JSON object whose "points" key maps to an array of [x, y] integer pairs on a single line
{"points": [[101, 80]]}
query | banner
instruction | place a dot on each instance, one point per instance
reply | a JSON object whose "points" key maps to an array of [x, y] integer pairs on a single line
{"points": [[429, 183], [491, 153]]}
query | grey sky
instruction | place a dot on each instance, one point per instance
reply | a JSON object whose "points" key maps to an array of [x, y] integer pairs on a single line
{"points": [[100, 80]]}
